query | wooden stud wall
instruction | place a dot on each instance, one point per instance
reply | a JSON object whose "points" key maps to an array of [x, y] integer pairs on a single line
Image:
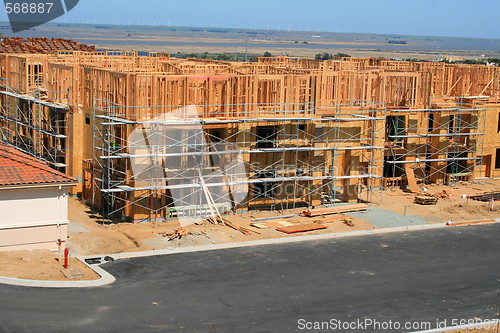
{"points": [[229, 90]]}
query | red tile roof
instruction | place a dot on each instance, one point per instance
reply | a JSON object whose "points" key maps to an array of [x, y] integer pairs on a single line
{"points": [[40, 45], [17, 168]]}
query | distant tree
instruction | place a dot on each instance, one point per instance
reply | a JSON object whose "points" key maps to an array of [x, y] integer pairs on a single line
{"points": [[267, 54], [223, 57], [495, 61], [342, 55], [474, 62], [323, 56], [305, 42]]}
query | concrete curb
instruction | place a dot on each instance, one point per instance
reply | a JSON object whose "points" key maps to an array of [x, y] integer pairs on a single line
{"points": [[272, 241], [107, 278]]}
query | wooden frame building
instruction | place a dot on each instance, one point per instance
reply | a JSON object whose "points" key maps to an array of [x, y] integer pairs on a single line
{"points": [[327, 131]]}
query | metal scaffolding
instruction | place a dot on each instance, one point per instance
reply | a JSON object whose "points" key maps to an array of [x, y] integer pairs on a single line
{"points": [[442, 145], [278, 156], [35, 126]]}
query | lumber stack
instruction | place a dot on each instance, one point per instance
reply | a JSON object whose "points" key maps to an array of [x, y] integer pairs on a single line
{"points": [[487, 196], [334, 210], [425, 200], [301, 228], [337, 217], [471, 222]]}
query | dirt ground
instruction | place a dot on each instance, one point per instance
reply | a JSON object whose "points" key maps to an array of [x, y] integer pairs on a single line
{"points": [[454, 208], [88, 237], [40, 265]]}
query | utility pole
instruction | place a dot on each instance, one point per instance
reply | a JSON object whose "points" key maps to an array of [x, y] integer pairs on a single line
{"points": [[246, 46]]}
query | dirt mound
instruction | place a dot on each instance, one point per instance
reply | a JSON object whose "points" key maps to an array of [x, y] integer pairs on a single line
{"points": [[94, 245], [466, 209]]}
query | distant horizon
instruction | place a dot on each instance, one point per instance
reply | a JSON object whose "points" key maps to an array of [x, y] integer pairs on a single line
{"points": [[58, 23], [436, 18]]}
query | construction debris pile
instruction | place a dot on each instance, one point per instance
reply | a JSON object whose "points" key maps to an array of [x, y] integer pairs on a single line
{"points": [[487, 196], [430, 198], [177, 233], [222, 221], [323, 215], [315, 219]]}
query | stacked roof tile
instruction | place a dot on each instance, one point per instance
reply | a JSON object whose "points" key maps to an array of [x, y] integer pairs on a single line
{"points": [[17, 168], [40, 45]]}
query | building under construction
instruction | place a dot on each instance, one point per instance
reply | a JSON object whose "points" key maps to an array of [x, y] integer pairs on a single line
{"points": [[153, 137]]}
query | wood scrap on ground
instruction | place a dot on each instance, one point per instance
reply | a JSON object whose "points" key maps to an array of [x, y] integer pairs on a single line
{"points": [[466, 223], [431, 198], [334, 210], [412, 181], [216, 217], [275, 217], [222, 221], [486, 196], [349, 223], [177, 233], [338, 217], [301, 228], [441, 195], [270, 224]]}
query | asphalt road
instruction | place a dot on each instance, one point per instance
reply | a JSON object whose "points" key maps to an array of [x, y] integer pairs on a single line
{"points": [[417, 276]]}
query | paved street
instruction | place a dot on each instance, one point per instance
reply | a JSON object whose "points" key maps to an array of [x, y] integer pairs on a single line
{"points": [[451, 273]]}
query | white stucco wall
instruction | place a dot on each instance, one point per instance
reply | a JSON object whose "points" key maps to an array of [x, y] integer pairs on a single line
{"points": [[32, 218]]}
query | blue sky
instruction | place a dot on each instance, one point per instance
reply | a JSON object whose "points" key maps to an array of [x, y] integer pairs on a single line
{"points": [[462, 18]]}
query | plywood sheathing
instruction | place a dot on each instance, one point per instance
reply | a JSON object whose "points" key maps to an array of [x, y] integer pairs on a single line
{"points": [[224, 90]]}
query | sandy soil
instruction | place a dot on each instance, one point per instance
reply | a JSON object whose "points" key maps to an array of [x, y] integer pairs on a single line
{"points": [[88, 237], [40, 265], [454, 208]]}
